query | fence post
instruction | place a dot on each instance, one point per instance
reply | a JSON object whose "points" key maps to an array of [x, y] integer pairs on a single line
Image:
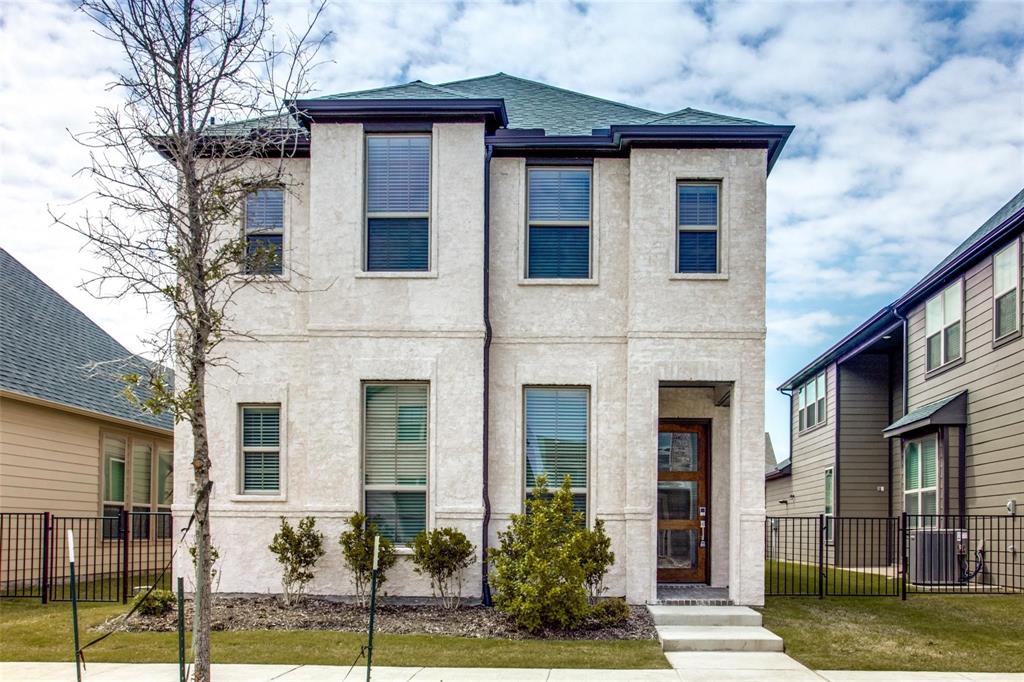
{"points": [[821, 556], [124, 555], [44, 573], [904, 559]]}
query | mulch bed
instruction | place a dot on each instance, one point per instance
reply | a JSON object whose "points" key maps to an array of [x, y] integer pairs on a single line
{"points": [[270, 613]]}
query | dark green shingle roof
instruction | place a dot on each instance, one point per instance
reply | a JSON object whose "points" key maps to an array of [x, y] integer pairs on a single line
{"points": [[951, 410], [49, 350]]}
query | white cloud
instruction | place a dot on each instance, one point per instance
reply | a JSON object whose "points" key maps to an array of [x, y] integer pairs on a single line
{"points": [[805, 330]]}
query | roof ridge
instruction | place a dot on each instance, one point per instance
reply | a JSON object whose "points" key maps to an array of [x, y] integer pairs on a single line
{"points": [[390, 87], [553, 87], [704, 111]]}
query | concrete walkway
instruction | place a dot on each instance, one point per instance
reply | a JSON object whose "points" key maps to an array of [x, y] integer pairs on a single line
{"points": [[702, 667]]}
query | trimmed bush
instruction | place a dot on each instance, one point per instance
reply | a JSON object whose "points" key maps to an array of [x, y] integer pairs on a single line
{"points": [[297, 551], [443, 554], [156, 603], [609, 612], [596, 557], [357, 551], [538, 577]]}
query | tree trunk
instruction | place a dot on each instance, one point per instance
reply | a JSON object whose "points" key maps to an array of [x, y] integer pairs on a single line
{"points": [[201, 465]]}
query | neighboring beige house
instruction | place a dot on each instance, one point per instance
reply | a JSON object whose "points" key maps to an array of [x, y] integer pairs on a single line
{"points": [[920, 409], [70, 442], [498, 279]]}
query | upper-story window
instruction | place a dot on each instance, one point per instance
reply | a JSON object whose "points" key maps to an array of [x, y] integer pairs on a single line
{"points": [[556, 439], [558, 234], [397, 203], [811, 401], [698, 228], [1006, 290], [943, 324], [264, 231]]}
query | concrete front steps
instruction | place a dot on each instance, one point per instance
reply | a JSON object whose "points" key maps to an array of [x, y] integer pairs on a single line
{"points": [[712, 628]]}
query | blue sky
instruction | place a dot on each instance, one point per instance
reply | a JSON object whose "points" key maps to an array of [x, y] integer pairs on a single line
{"points": [[909, 124]]}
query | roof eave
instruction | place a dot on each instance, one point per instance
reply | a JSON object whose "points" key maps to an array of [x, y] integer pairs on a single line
{"points": [[773, 137], [489, 110]]}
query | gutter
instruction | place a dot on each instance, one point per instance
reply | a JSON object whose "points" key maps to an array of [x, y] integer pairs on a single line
{"points": [[485, 587]]}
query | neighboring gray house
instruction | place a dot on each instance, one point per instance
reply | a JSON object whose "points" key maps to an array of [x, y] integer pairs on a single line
{"points": [[500, 278], [920, 408]]}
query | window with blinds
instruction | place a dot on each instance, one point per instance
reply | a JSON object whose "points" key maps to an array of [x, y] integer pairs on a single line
{"points": [[1006, 290], [943, 316], [395, 446], [261, 449], [556, 439], [397, 203], [115, 451], [811, 399], [264, 231], [558, 230], [921, 478], [830, 489], [698, 227]]}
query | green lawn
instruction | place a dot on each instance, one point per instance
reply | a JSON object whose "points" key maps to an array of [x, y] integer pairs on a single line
{"points": [[956, 632], [30, 631]]}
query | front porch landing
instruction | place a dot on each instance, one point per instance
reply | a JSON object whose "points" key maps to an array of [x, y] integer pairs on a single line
{"points": [[692, 595]]}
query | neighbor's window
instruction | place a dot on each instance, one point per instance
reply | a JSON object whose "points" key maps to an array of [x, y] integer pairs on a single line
{"points": [[395, 458], [830, 489], [164, 488], [558, 234], [811, 402], [921, 478], [397, 203], [698, 228], [114, 467], [261, 449], [1006, 290], [556, 439], [943, 326], [142, 488], [264, 231]]}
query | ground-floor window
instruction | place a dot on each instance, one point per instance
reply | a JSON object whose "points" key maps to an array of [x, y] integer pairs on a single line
{"points": [[921, 477], [395, 447], [138, 475], [261, 449], [556, 439], [830, 489]]}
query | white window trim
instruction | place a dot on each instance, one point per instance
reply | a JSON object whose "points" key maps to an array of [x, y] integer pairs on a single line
{"points": [[431, 272], [424, 487], [285, 232], [1015, 249], [917, 492], [554, 485], [830, 478], [820, 403], [943, 326], [595, 233], [720, 229], [262, 495]]}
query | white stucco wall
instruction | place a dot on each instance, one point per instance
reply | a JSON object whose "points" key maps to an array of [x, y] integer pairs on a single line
{"points": [[624, 334]]}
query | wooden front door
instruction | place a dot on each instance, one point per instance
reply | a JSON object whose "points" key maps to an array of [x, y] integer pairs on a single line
{"points": [[684, 514]]}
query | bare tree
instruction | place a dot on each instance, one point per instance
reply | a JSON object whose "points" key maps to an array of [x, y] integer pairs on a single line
{"points": [[173, 184]]}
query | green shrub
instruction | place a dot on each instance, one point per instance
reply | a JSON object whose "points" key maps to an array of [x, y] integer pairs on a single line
{"points": [[609, 612], [156, 603], [297, 551], [596, 557], [443, 554], [538, 577], [357, 551]]}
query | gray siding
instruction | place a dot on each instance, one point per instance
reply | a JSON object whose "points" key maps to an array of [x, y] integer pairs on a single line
{"points": [[863, 452], [994, 378]]}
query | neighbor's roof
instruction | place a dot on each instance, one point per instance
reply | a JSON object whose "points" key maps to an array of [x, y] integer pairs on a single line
{"points": [[49, 350], [950, 411], [987, 237]]}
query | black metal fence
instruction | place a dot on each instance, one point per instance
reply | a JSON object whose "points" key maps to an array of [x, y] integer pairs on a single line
{"points": [[893, 556], [114, 555]]}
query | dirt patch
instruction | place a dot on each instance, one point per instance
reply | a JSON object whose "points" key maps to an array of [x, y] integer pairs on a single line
{"points": [[269, 613]]}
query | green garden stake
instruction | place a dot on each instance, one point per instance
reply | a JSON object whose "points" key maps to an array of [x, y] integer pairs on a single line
{"points": [[181, 619], [373, 605], [74, 603]]}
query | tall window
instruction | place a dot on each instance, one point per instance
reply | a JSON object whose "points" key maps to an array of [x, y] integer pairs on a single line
{"points": [[1006, 290], [556, 439], [142, 487], [114, 468], [395, 458], [558, 235], [830, 489], [811, 399], [131, 477], [164, 488], [921, 477], [698, 228], [397, 203], [261, 449], [943, 326], [264, 231]]}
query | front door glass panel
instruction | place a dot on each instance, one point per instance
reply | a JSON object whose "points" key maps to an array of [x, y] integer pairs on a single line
{"points": [[684, 513], [677, 549], [677, 500]]}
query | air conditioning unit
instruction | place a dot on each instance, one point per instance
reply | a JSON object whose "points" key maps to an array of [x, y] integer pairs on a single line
{"points": [[933, 556]]}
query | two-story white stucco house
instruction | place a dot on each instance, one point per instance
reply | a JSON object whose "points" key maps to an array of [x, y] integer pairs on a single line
{"points": [[493, 279]]}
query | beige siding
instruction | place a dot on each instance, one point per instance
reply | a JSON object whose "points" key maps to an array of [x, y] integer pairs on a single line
{"points": [[994, 378], [863, 451]]}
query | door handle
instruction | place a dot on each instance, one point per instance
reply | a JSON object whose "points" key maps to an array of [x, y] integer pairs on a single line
{"points": [[702, 542]]}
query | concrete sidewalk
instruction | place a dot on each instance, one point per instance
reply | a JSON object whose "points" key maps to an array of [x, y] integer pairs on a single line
{"points": [[724, 668]]}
